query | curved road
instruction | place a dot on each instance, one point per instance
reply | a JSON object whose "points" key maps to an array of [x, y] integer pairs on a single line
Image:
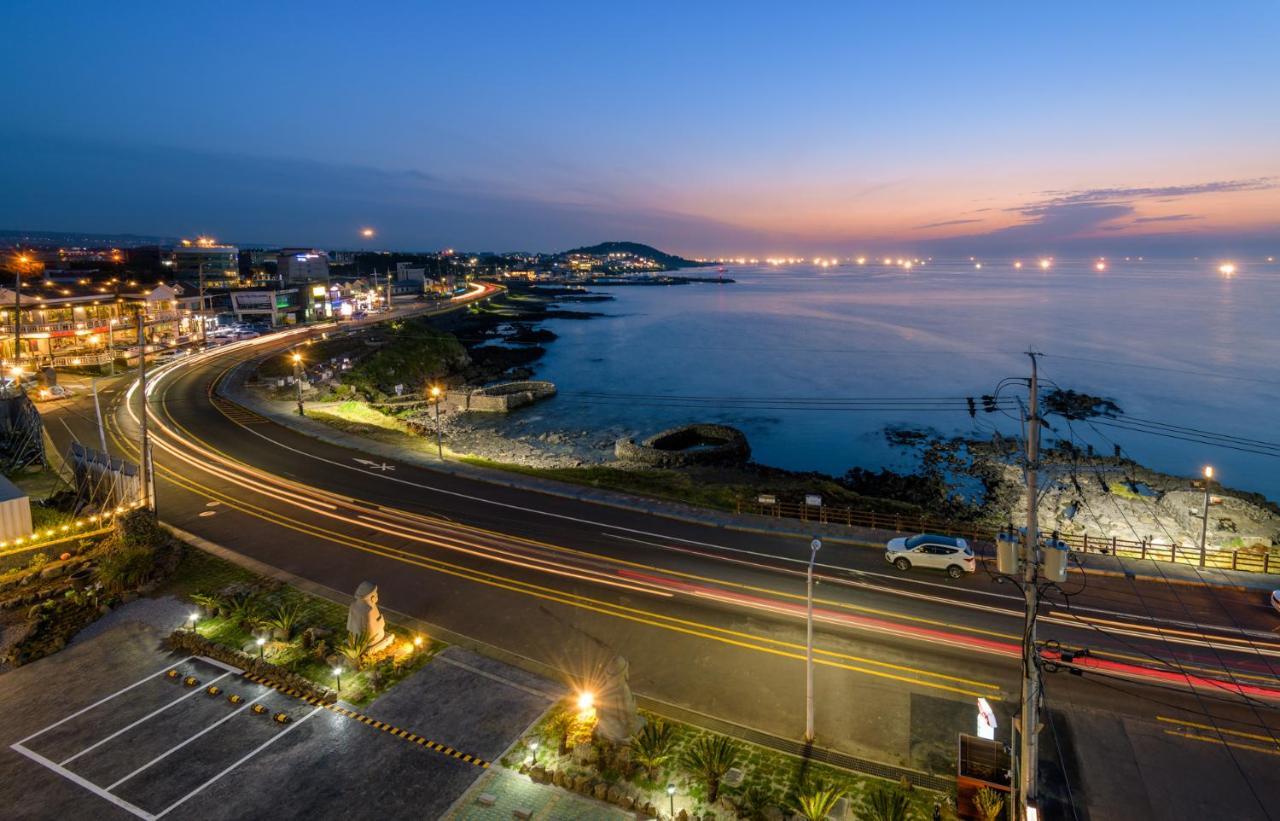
{"points": [[712, 619]]}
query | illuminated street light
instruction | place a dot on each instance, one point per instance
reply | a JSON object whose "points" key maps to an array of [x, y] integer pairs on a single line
{"points": [[262, 643], [586, 702], [297, 378], [435, 399], [1204, 524], [671, 796], [337, 678], [814, 547], [193, 618]]}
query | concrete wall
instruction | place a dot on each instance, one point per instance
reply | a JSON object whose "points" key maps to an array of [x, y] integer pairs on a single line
{"points": [[502, 398], [715, 444]]}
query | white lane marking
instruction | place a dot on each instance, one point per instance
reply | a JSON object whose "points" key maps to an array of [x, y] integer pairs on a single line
{"points": [[174, 749], [217, 663], [243, 759], [88, 785], [578, 520], [128, 727], [101, 701], [515, 684]]}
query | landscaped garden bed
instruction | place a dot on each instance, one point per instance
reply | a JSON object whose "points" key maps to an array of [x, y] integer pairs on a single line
{"points": [[706, 775], [287, 636]]}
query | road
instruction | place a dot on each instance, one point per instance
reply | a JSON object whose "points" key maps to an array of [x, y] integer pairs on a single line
{"points": [[711, 619]]}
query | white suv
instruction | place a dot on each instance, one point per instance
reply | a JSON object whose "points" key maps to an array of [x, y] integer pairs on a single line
{"points": [[928, 550]]}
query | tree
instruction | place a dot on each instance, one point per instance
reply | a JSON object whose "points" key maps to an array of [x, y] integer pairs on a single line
{"points": [[355, 650], [651, 748], [710, 757]]}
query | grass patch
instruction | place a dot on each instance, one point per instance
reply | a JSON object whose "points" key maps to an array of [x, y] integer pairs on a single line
{"points": [[1123, 490], [200, 574], [352, 414]]}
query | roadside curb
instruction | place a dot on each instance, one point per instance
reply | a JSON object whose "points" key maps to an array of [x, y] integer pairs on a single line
{"points": [[683, 714]]}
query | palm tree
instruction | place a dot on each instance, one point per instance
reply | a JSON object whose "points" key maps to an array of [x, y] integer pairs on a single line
{"points": [[651, 747], [816, 801], [560, 725], [989, 804], [710, 757], [888, 804]]}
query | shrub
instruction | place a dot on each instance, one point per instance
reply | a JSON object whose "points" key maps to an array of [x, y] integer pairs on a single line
{"points": [[38, 561], [356, 650], [138, 528], [282, 620], [815, 801], [245, 609], [125, 568], [651, 748], [989, 804], [887, 803], [212, 603], [709, 758]]}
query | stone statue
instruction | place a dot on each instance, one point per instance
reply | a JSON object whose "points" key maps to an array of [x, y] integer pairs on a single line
{"points": [[617, 719], [363, 617]]}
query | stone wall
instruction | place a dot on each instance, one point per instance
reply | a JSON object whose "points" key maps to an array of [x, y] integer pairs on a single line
{"points": [[501, 398], [698, 444]]}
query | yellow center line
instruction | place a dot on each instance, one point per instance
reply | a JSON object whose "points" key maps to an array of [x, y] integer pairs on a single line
{"points": [[673, 624], [1210, 728], [1233, 744]]}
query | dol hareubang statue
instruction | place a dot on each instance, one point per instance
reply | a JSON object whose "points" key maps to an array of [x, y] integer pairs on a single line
{"points": [[617, 719], [363, 617]]}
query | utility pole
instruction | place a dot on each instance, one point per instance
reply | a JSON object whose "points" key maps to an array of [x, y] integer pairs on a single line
{"points": [[17, 320], [1028, 747], [814, 547], [297, 380], [1204, 522], [148, 489], [97, 410], [203, 340], [435, 399]]}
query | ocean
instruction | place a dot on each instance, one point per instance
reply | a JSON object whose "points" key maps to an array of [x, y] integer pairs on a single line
{"points": [[814, 364]]}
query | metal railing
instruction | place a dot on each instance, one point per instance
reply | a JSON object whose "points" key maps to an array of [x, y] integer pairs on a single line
{"points": [[984, 535]]}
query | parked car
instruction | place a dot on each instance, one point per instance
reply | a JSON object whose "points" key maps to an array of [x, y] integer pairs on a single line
{"points": [[1275, 600], [930, 550]]}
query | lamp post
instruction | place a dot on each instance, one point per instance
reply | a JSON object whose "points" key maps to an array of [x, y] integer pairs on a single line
{"points": [[435, 398], [814, 547], [337, 678], [261, 647], [192, 618], [671, 796], [1204, 522], [297, 379]]}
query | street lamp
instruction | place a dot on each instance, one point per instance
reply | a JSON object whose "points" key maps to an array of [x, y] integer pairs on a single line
{"points": [[435, 398], [193, 617], [262, 643], [1204, 523], [297, 378], [814, 547], [337, 678], [671, 796]]}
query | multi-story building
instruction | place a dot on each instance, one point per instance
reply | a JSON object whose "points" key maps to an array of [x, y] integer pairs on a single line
{"points": [[89, 323], [294, 265], [203, 258]]}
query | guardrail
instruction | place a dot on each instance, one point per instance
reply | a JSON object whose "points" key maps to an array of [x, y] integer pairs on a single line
{"points": [[984, 535]]}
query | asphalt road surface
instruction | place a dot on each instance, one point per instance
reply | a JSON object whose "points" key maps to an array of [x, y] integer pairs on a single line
{"points": [[1176, 719]]}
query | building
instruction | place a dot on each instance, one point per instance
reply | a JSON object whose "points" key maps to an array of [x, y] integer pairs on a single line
{"points": [[203, 258], [295, 265], [89, 324]]}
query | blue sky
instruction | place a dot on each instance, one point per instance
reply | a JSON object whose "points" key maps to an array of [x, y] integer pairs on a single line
{"points": [[706, 128]]}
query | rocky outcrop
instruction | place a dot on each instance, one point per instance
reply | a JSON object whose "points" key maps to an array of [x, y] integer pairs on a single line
{"points": [[698, 444]]}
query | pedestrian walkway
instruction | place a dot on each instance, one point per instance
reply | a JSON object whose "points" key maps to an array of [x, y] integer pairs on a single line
{"points": [[505, 794]]}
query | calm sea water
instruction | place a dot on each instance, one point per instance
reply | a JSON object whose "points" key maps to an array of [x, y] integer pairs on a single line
{"points": [[1176, 342]]}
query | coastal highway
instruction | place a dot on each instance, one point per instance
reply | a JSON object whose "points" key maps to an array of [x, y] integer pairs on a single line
{"points": [[1179, 703]]}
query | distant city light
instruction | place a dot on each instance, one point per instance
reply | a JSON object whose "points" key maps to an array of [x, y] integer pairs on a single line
{"points": [[1017, 263], [863, 260], [1045, 263], [1100, 265], [977, 265], [1227, 268], [367, 233]]}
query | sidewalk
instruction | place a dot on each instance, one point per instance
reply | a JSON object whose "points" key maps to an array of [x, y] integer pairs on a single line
{"points": [[282, 413]]}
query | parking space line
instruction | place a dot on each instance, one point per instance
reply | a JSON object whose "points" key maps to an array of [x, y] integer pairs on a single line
{"points": [[128, 727], [236, 764], [84, 710], [217, 663], [172, 750], [508, 682], [88, 785]]}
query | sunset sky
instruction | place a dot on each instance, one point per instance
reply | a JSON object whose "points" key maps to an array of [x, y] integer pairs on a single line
{"points": [[703, 128]]}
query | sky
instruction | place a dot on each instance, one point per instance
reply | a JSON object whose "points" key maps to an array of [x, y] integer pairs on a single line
{"points": [[703, 128]]}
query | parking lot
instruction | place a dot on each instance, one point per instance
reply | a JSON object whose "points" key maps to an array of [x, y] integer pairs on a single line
{"points": [[156, 734]]}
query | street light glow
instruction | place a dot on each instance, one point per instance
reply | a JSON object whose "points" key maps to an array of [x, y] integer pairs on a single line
{"points": [[297, 357], [1208, 471], [1227, 268], [586, 700], [367, 233]]}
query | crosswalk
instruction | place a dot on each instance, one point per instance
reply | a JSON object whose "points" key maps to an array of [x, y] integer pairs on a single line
{"points": [[238, 413]]}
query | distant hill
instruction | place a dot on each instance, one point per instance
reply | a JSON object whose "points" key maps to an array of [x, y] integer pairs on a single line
{"points": [[669, 261]]}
